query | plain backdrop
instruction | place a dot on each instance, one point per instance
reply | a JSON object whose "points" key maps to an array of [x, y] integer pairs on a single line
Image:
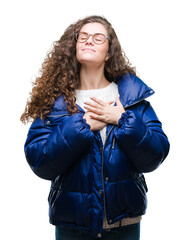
{"points": [[155, 37]]}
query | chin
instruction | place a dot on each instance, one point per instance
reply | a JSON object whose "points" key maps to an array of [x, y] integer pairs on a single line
{"points": [[88, 61]]}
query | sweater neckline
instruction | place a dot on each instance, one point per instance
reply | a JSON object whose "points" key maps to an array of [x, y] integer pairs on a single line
{"points": [[95, 90]]}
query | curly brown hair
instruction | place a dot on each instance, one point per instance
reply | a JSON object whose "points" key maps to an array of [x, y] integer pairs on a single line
{"points": [[60, 71]]}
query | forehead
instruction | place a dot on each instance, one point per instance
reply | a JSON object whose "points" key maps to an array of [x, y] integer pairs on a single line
{"points": [[94, 28]]}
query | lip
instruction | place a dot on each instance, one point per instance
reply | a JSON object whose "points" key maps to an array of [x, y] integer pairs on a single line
{"points": [[88, 49]]}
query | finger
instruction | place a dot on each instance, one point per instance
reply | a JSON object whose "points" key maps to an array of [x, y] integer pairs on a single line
{"points": [[118, 102], [97, 117], [110, 102], [102, 103], [93, 105], [94, 110]]}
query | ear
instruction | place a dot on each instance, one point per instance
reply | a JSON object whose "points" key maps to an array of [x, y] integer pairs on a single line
{"points": [[107, 57]]}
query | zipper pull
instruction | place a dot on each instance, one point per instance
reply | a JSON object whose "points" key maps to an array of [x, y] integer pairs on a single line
{"points": [[113, 143]]}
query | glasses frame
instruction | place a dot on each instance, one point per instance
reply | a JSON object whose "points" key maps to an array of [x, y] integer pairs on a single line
{"points": [[106, 37]]}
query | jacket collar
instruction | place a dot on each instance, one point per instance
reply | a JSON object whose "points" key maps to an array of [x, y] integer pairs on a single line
{"points": [[131, 90]]}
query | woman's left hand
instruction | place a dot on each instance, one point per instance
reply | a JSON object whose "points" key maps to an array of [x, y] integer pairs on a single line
{"points": [[104, 111]]}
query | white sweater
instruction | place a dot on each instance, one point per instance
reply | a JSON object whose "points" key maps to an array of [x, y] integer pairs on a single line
{"points": [[106, 94]]}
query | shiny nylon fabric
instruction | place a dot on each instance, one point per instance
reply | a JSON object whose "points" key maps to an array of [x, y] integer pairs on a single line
{"points": [[84, 173]]}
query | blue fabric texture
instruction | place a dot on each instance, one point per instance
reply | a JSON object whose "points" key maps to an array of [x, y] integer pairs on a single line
{"points": [[84, 174]]}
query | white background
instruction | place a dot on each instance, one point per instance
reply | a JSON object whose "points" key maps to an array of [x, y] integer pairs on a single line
{"points": [[155, 36]]}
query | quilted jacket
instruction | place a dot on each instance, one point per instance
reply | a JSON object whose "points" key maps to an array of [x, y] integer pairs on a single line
{"points": [[88, 178]]}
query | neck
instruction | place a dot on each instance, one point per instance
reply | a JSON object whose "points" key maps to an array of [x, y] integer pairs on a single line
{"points": [[92, 78]]}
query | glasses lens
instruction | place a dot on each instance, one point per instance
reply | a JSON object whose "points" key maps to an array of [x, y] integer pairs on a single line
{"points": [[99, 38], [82, 37]]}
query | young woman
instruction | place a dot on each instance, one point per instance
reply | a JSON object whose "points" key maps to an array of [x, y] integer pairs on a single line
{"points": [[94, 134]]}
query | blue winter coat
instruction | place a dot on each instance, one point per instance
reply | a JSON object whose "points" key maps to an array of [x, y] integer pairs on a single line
{"points": [[84, 174]]}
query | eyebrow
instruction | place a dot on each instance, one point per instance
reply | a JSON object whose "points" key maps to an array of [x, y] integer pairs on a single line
{"points": [[93, 33]]}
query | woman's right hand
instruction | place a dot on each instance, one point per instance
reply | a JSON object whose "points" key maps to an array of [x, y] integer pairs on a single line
{"points": [[94, 124]]}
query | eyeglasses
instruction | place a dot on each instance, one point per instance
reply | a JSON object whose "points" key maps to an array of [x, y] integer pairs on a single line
{"points": [[98, 38]]}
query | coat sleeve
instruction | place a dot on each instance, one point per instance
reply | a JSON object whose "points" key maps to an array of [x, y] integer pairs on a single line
{"points": [[141, 138], [52, 151]]}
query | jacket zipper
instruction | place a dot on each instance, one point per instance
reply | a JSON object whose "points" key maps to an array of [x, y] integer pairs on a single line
{"points": [[103, 156], [103, 174]]}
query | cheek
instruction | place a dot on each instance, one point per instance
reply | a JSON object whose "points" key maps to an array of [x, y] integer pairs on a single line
{"points": [[104, 50]]}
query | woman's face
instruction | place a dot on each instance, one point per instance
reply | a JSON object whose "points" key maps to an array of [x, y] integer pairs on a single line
{"points": [[90, 53]]}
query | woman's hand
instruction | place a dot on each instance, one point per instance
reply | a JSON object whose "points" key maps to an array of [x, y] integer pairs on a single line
{"points": [[94, 124], [105, 112]]}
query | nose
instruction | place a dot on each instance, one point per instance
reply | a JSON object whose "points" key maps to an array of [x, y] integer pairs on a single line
{"points": [[90, 40]]}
